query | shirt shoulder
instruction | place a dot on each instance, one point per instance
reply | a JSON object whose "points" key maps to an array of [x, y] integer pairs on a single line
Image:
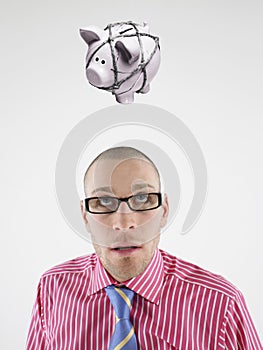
{"points": [[190, 273], [74, 266]]}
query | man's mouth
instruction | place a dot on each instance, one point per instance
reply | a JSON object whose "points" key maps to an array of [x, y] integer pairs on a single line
{"points": [[125, 248]]}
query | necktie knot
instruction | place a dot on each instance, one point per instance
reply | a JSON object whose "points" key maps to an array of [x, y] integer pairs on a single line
{"points": [[121, 300]]}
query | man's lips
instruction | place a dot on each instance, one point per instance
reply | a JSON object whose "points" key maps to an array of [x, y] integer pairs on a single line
{"points": [[126, 247]]}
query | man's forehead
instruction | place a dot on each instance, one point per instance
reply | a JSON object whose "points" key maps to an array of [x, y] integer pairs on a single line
{"points": [[113, 165], [109, 174]]}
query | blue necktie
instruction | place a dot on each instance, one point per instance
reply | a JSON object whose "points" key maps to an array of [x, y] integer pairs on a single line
{"points": [[123, 336]]}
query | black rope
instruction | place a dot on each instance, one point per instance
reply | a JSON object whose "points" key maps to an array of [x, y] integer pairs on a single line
{"points": [[113, 57], [142, 59]]}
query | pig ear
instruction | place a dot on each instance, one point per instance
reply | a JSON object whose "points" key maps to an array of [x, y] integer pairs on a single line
{"points": [[91, 34], [129, 49]]}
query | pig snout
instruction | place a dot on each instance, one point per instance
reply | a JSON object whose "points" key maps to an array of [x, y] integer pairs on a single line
{"points": [[99, 72], [94, 77], [100, 77]]}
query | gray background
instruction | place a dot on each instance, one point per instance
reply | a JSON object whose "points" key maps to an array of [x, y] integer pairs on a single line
{"points": [[210, 77]]}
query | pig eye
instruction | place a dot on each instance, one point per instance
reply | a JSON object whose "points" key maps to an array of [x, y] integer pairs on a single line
{"points": [[96, 59], [103, 61]]}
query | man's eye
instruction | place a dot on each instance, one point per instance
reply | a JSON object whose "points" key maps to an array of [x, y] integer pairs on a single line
{"points": [[141, 198], [105, 201]]}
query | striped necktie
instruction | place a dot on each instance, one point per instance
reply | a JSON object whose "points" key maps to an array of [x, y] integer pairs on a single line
{"points": [[123, 336]]}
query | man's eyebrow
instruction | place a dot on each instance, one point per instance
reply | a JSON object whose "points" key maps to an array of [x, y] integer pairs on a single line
{"points": [[134, 187], [143, 185], [104, 189]]}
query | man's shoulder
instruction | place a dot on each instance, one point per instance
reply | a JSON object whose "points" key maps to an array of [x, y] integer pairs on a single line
{"points": [[191, 273], [77, 265]]}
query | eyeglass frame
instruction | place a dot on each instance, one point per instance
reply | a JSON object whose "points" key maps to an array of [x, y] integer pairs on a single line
{"points": [[86, 201]]}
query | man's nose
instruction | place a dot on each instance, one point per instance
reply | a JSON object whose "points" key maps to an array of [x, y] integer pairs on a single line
{"points": [[124, 219]]}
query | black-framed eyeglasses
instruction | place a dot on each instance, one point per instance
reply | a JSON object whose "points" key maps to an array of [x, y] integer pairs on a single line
{"points": [[137, 202]]}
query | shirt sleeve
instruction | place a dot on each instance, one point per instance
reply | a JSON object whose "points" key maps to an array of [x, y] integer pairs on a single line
{"points": [[36, 339], [240, 332]]}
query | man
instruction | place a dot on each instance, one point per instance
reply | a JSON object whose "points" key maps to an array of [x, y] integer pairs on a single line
{"points": [[168, 303]]}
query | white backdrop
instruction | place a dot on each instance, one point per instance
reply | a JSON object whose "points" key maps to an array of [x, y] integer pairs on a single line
{"points": [[210, 77]]}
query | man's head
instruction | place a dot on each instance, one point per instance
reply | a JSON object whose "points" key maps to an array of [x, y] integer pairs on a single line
{"points": [[126, 237]]}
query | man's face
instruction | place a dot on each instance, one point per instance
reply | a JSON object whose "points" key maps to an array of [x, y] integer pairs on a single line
{"points": [[124, 240]]}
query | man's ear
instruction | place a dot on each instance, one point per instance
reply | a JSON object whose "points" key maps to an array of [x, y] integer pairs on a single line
{"points": [[165, 206]]}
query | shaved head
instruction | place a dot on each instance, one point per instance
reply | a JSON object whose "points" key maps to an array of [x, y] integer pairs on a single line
{"points": [[119, 154]]}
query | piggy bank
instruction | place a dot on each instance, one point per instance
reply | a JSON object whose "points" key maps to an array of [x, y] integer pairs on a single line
{"points": [[123, 58]]}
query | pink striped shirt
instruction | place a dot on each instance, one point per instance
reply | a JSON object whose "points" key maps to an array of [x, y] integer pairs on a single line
{"points": [[177, 306]]}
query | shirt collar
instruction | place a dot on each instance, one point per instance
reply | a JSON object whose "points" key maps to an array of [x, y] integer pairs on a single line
{"points": [[148, 284]]}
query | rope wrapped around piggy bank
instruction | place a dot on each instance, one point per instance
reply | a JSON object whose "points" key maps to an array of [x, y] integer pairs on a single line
{"points": [[123, 58]]}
